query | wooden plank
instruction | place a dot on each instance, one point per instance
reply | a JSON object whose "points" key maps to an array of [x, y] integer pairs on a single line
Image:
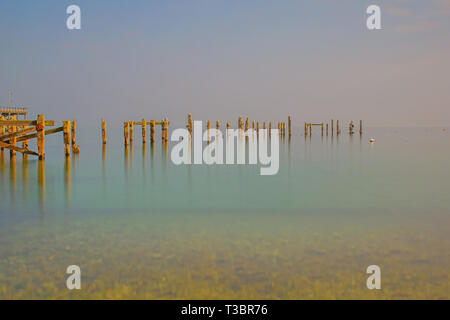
{"points": [[34, 135], [19, 123], [18, 149], [18, 133]]}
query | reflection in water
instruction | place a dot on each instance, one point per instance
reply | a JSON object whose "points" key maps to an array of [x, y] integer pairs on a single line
{"points": [[41, 187], [301, 219], [67, 180], [25, 178], [13, 178]]}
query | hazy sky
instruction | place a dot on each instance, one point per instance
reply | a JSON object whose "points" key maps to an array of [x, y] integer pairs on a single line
{"points": [[219, 59]]}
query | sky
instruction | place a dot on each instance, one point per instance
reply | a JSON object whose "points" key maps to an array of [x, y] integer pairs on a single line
{"points": [[221, 59]]}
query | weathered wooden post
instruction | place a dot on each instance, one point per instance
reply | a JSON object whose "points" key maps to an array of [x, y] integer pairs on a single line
{"points": [[67, 140], [310, 129], [126, 132], [104, 131], [253, 124], [40, 128], [360, 126], [337, 127], [322, 128], [228, 124], [74, 132], [350, 127], [13, 140], [264, 125], [217, 125], [190, 123], [257, 128], [270, 128], [240, 123], [2, 132], [332, 126], [144, 131], [306, 129], [327, 128], [289, 126], [131, 125], [152, 130], [246, 124]]}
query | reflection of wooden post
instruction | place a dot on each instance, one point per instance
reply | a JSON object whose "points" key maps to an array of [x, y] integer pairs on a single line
{"points": [[131, 126], [74, 132], [13, 140], [104, 131], [126, 132], [144, 131], [66, 131], [40, 127]]}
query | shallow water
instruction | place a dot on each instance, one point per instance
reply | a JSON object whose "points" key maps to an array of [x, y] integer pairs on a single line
{"points": [[140, 227]]}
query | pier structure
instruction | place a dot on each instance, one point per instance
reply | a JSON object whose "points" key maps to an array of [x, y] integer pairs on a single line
{"points": [[13, 131]]}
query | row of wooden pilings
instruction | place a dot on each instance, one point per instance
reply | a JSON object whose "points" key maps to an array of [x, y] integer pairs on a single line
{"points": [[128, 130], [324, 127], [246, 125], [282, 126]]}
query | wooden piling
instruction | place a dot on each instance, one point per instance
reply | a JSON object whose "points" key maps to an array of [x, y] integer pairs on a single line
{"points": [[13, 140], [152, 130], [246, 123], [144, 131], [228, 124], [310, 129], [322, 128], [327, 128], [66, 137], [289, 126], [360, 126], [131, 126], [217, 125], [74, 132], [40, 127], [126, 132], [103, 131], [264, 125], [270, 128], [337, 127], [190, 123]]}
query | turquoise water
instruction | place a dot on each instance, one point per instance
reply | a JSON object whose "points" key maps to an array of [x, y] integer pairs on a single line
{"points": [[141, 227]]}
